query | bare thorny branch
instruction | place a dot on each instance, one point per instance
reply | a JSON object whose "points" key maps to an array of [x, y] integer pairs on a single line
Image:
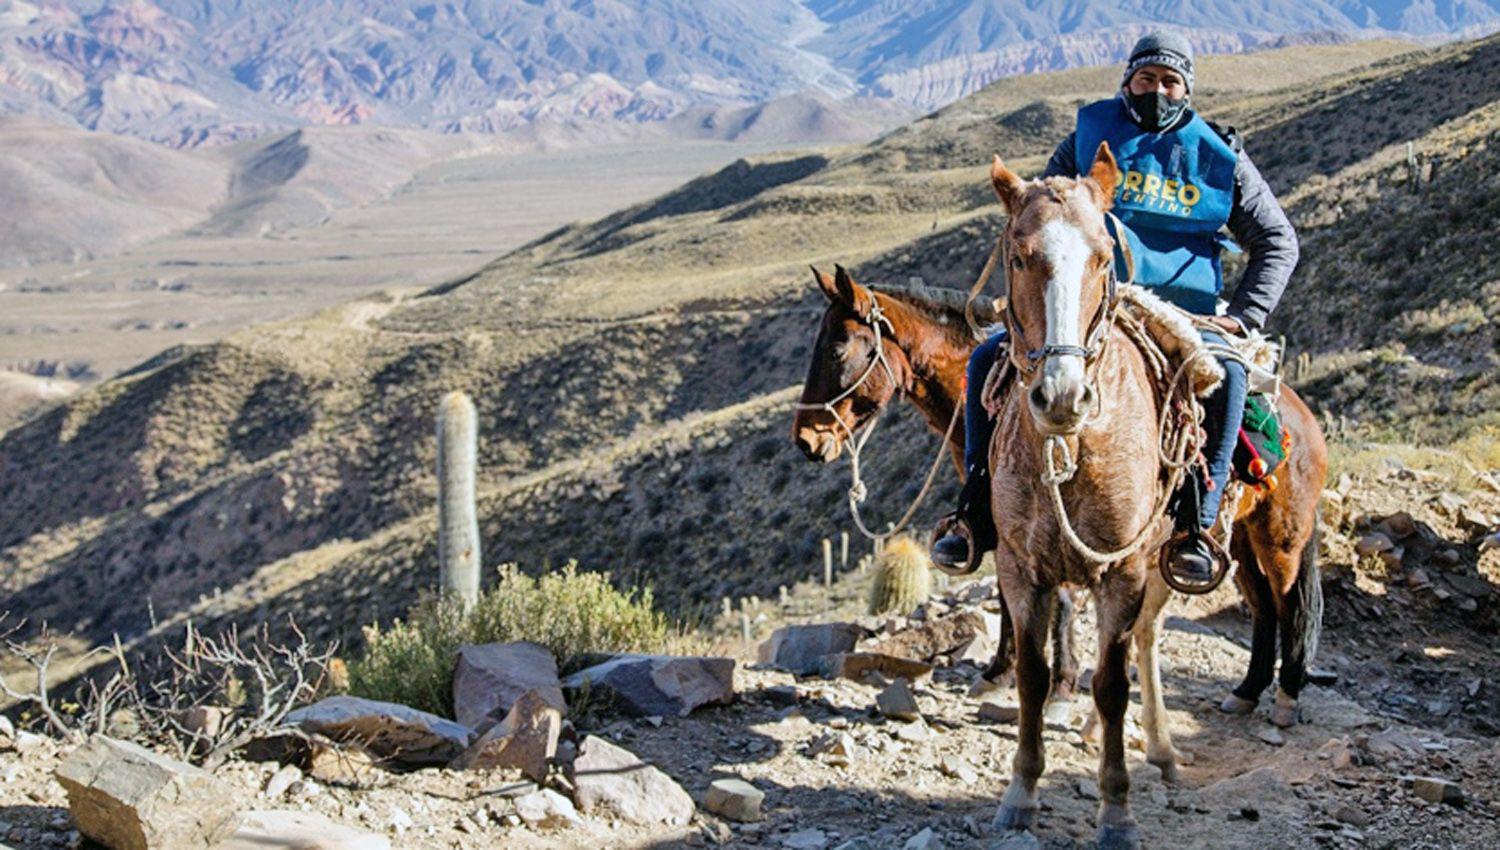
{"points": [[203, 701]]}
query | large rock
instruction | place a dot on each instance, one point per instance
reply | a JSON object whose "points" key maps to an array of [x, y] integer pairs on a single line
{"points": [[659, 685], [129, 798], [936, 637], [279, 830], [489, 678], [385, 729], [525, 739], [608, 777], [808, 650]]}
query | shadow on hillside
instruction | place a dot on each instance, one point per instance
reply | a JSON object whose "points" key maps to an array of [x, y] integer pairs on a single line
{"points": [[1353, 126]]}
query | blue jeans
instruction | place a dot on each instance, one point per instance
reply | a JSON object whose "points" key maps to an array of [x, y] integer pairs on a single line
{"points": [[1223, 412]]}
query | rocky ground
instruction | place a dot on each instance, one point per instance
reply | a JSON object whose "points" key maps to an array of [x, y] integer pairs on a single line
{"points": [[1407, 630]]}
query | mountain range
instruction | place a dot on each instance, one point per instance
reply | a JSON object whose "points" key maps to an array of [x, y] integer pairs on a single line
{"points": [[190, 72]]}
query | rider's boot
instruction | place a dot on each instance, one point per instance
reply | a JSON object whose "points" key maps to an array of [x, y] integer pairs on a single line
{"points": [[963, 536], [1189, 557]]}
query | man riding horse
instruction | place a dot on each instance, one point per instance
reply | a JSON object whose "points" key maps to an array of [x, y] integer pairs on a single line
{"points": [[1184, 179]]}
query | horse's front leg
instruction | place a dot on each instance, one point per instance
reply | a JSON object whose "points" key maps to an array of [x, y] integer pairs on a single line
{"points": [[1030, 614], [1159, 749], [1120, 599]]}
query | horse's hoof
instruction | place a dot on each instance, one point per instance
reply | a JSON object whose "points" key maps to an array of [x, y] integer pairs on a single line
{"points": [[1169, 772], [1284, 716], [1058, 713], [1113, 837], [1236, 705], [1014, 819]]}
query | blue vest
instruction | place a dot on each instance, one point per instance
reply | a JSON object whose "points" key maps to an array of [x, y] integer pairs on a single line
{"points": [[1175, 194]]}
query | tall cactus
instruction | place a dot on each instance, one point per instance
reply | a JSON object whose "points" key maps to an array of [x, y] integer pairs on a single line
{"points": [[458, 522]]}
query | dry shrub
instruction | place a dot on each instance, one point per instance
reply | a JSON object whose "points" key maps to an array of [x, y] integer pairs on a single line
{"points": [[572, 613]]}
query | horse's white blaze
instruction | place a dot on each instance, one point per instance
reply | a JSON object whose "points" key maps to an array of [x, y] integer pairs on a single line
{"points": [[1067, 253]]}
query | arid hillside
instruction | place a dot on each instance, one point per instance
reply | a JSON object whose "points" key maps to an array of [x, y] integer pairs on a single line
{"points": [[634, 375]]}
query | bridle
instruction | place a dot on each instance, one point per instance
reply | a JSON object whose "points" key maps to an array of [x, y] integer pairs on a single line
{"points": [[875, 318], [858, 492], [1097, 341]]}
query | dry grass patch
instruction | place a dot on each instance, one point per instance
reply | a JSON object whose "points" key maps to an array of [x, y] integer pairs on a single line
{"points": [[572, 613]]}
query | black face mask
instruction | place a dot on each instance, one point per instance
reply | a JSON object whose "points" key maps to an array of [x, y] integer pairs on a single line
{"points": [[1154, 111]]}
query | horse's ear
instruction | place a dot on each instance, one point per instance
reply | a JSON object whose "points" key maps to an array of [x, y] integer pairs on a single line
{"points": [[857, 297], [825, 283], [1106, 175], [1008, 185]]}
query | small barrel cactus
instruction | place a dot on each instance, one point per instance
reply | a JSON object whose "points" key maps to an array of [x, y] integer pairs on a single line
{"points": [[903, 577]]}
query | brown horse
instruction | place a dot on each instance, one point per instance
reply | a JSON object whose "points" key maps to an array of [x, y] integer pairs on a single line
{"points": [[1087, 394], [926, 341]]}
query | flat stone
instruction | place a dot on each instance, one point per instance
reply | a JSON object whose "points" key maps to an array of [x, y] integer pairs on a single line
{"points": [[1351, 815], [1435, 789], [281, 780], [805, 839], [489, 678], [1271, 735], [924, 840], [897, 701], [1088, 789], [1393, 742], [270, 830], [991, 711], [913, 733], [340, 764], [858, 665], [525, 739], [1373, 544], [612, 778], [129, 798], [835, 748], [546, 809], [385, 729], [807, 650], [659, 685], [936, 637], [959, 769], [734, 799]]}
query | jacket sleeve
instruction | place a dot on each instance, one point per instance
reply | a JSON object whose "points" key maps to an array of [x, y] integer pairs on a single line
{"points": [[1262, 228], [1064, 161]]}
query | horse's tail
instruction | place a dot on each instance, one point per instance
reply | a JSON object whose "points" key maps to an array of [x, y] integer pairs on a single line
{"points": [[1302, 623]]}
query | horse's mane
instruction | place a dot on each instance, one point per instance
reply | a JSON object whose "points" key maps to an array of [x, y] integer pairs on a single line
{"points": [[945, 305]]}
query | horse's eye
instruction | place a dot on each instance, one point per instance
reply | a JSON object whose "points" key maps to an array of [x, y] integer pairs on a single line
{"points": [[1017, 263]]}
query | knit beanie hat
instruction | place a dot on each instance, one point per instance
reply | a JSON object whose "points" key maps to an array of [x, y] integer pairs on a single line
{"points": [[1162, 47]]}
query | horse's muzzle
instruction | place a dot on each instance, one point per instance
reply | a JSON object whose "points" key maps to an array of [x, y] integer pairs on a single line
{"points": [[819, 446], [1062, 398]]}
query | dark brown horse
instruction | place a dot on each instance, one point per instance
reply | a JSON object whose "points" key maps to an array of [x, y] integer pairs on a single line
{"points": [[926, 341], [1076, 469]]}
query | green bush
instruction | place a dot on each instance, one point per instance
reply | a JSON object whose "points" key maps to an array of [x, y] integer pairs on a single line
{"points": [[571, 613]]}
